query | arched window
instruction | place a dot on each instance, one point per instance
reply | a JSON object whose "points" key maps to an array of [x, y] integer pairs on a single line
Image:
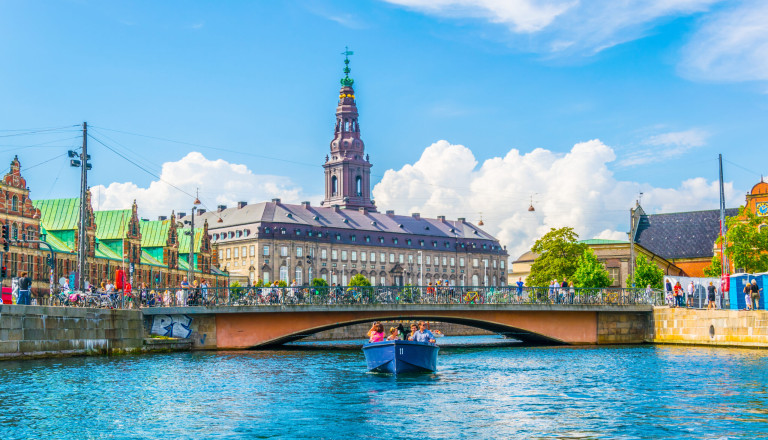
{"points": [[15, 203], [298, 276], [334, 185], [310, 274], [284, 274], [475, 280], [359, 186]]}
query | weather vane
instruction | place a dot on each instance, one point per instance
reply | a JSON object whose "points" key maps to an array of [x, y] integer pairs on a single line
{"points": [[347, 81]]}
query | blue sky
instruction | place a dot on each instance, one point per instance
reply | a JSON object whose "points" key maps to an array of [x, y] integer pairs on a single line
{"points": [[663, 85]]}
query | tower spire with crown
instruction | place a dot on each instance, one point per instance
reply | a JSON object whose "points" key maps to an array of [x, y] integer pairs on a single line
{"points": [[347, 170]]}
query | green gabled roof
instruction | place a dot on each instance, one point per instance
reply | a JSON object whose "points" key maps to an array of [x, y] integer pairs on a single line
{"points": [[184, 240], [103, 251], [56, 243], [154, 233], [183, 264], [147, 259], [59, 214], [112, 225]]}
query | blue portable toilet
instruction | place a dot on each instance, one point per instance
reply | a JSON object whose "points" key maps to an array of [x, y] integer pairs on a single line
{"points": [[736, 292]]}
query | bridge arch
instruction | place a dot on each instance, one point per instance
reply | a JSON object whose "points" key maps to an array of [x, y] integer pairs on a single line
{"points": [[261, 329]]}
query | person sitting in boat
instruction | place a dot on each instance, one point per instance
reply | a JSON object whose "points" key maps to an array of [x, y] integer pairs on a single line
{"points": [[393, 334], [412, 333], [376, 332], [423, 334], [401, 332]]}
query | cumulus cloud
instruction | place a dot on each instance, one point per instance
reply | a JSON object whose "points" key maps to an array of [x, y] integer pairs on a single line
{"points": [[732, 45], [220, 183], [567, 25], [575, 189], [666, 146]]}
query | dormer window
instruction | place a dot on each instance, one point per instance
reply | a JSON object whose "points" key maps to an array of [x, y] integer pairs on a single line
{"points": [[267, 230], [282, 231], [394, 240], [381, 240], [367, 238], [408, 242]]}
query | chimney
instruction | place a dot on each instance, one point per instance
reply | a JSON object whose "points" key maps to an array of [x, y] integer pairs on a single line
{"points": [[241, 205], [276, 201], [391, 213], [221, 208], [182, 214], [462, 219], [416, 215], [201, 211], [162, 217], [305, 205], [335, 208], [441, 218], [362, 210]]}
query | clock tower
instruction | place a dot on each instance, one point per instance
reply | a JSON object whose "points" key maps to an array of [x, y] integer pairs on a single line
{"points": [[347, 168]]}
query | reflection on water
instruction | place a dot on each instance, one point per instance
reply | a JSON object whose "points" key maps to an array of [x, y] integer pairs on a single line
{"points": [[488, 392]]}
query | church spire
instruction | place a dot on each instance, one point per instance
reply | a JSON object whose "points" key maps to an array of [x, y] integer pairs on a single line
{"points": [[347, 170]]}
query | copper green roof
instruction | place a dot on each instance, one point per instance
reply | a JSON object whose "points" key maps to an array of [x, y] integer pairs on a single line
{"points": [[57, 244], [154, 233], [59, 214], [147, 259], [112, 225], [602, 241], [103, 251], [184, 240]]}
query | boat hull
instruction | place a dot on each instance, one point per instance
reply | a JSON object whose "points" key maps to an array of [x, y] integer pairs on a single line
{"points": [[400, 357]]}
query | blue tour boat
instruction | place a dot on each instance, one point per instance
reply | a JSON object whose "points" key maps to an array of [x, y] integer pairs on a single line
{"points": [[401, 356]]}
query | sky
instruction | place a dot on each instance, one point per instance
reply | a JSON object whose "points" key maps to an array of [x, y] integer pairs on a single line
{"points": [[468, 108]]}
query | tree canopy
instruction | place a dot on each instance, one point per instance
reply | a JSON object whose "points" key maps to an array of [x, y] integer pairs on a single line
{"points": [[747, 241], [558, 256], [590, 271], [359, 281], [319, 282], [647, 272]]}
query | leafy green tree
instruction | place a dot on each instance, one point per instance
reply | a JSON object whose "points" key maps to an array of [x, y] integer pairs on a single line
{"points": [[235, 288], [647, 272], [591, 272], [359, 281], [714, 270], [558, 256], [319, 282], [259, 283], [282, 283], [747, 241]]}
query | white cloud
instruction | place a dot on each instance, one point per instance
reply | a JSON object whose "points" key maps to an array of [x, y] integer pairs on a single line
{"points": [[732, 45], [567, 26], [574, 189], [220, 183], [666, 146]]}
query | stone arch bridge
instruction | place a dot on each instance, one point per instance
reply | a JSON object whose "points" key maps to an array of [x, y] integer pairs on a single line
{"points": [[244, 327]]}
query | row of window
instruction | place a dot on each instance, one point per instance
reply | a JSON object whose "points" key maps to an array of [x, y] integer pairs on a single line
{"points": [[364, 256], [338, 237]]}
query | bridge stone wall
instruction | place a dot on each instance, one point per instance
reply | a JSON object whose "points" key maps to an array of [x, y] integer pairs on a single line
{"points": [[624, 327], [40, 331], [736, 328]]}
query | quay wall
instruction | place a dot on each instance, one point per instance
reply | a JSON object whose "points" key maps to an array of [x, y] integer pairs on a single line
{"points": [[732, 328], [41, 331]]}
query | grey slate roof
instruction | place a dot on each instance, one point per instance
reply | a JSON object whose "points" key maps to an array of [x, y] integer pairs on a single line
{"points": [[681, 234], [306, 216]]}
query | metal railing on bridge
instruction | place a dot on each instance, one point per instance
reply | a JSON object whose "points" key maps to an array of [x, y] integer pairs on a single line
{"points": [[349, 295]]}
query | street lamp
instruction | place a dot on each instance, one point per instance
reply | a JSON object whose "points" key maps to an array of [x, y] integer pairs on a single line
{"points": [[421, 270], [191, 233], [81, 161], [344, 274]]}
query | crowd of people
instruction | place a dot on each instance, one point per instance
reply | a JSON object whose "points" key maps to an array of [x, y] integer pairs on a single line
{"points": [[418, 333]]}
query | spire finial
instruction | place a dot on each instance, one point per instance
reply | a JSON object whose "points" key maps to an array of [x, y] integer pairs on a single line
{"points": [[347, 81]]}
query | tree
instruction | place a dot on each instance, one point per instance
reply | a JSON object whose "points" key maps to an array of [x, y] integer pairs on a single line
{"points": [[558, 256], [259, 283], [747, 241], [282, 283], [647, 272], [714, 270], [359, 281], [235, 288], [319, 282], [591, 272]]}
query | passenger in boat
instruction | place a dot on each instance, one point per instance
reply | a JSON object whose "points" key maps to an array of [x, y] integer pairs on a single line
{"points": [[423, 334], [412, 333], [401, 332], [393, 335], [376, 333]]}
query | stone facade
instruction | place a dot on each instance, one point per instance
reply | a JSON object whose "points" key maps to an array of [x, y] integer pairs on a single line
{"points": [[710, 327], [623, 328]]}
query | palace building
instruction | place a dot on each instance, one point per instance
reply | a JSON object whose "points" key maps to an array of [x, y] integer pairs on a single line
{"points": [[346, 235]]}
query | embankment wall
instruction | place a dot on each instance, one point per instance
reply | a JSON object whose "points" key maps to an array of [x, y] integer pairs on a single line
{"points": [[733, 328]]}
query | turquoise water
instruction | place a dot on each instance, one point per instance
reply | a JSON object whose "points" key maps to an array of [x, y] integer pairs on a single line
{"points": [[490, 392]]}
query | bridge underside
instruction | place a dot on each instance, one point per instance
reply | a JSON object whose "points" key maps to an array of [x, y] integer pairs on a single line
{"points": [[253, 330]]}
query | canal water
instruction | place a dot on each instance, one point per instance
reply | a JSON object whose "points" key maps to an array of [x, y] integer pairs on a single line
{"points": [[483, 392]]}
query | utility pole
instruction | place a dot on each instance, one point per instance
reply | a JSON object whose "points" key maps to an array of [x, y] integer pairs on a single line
{"points": [[725, 267], [82, 239]]}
